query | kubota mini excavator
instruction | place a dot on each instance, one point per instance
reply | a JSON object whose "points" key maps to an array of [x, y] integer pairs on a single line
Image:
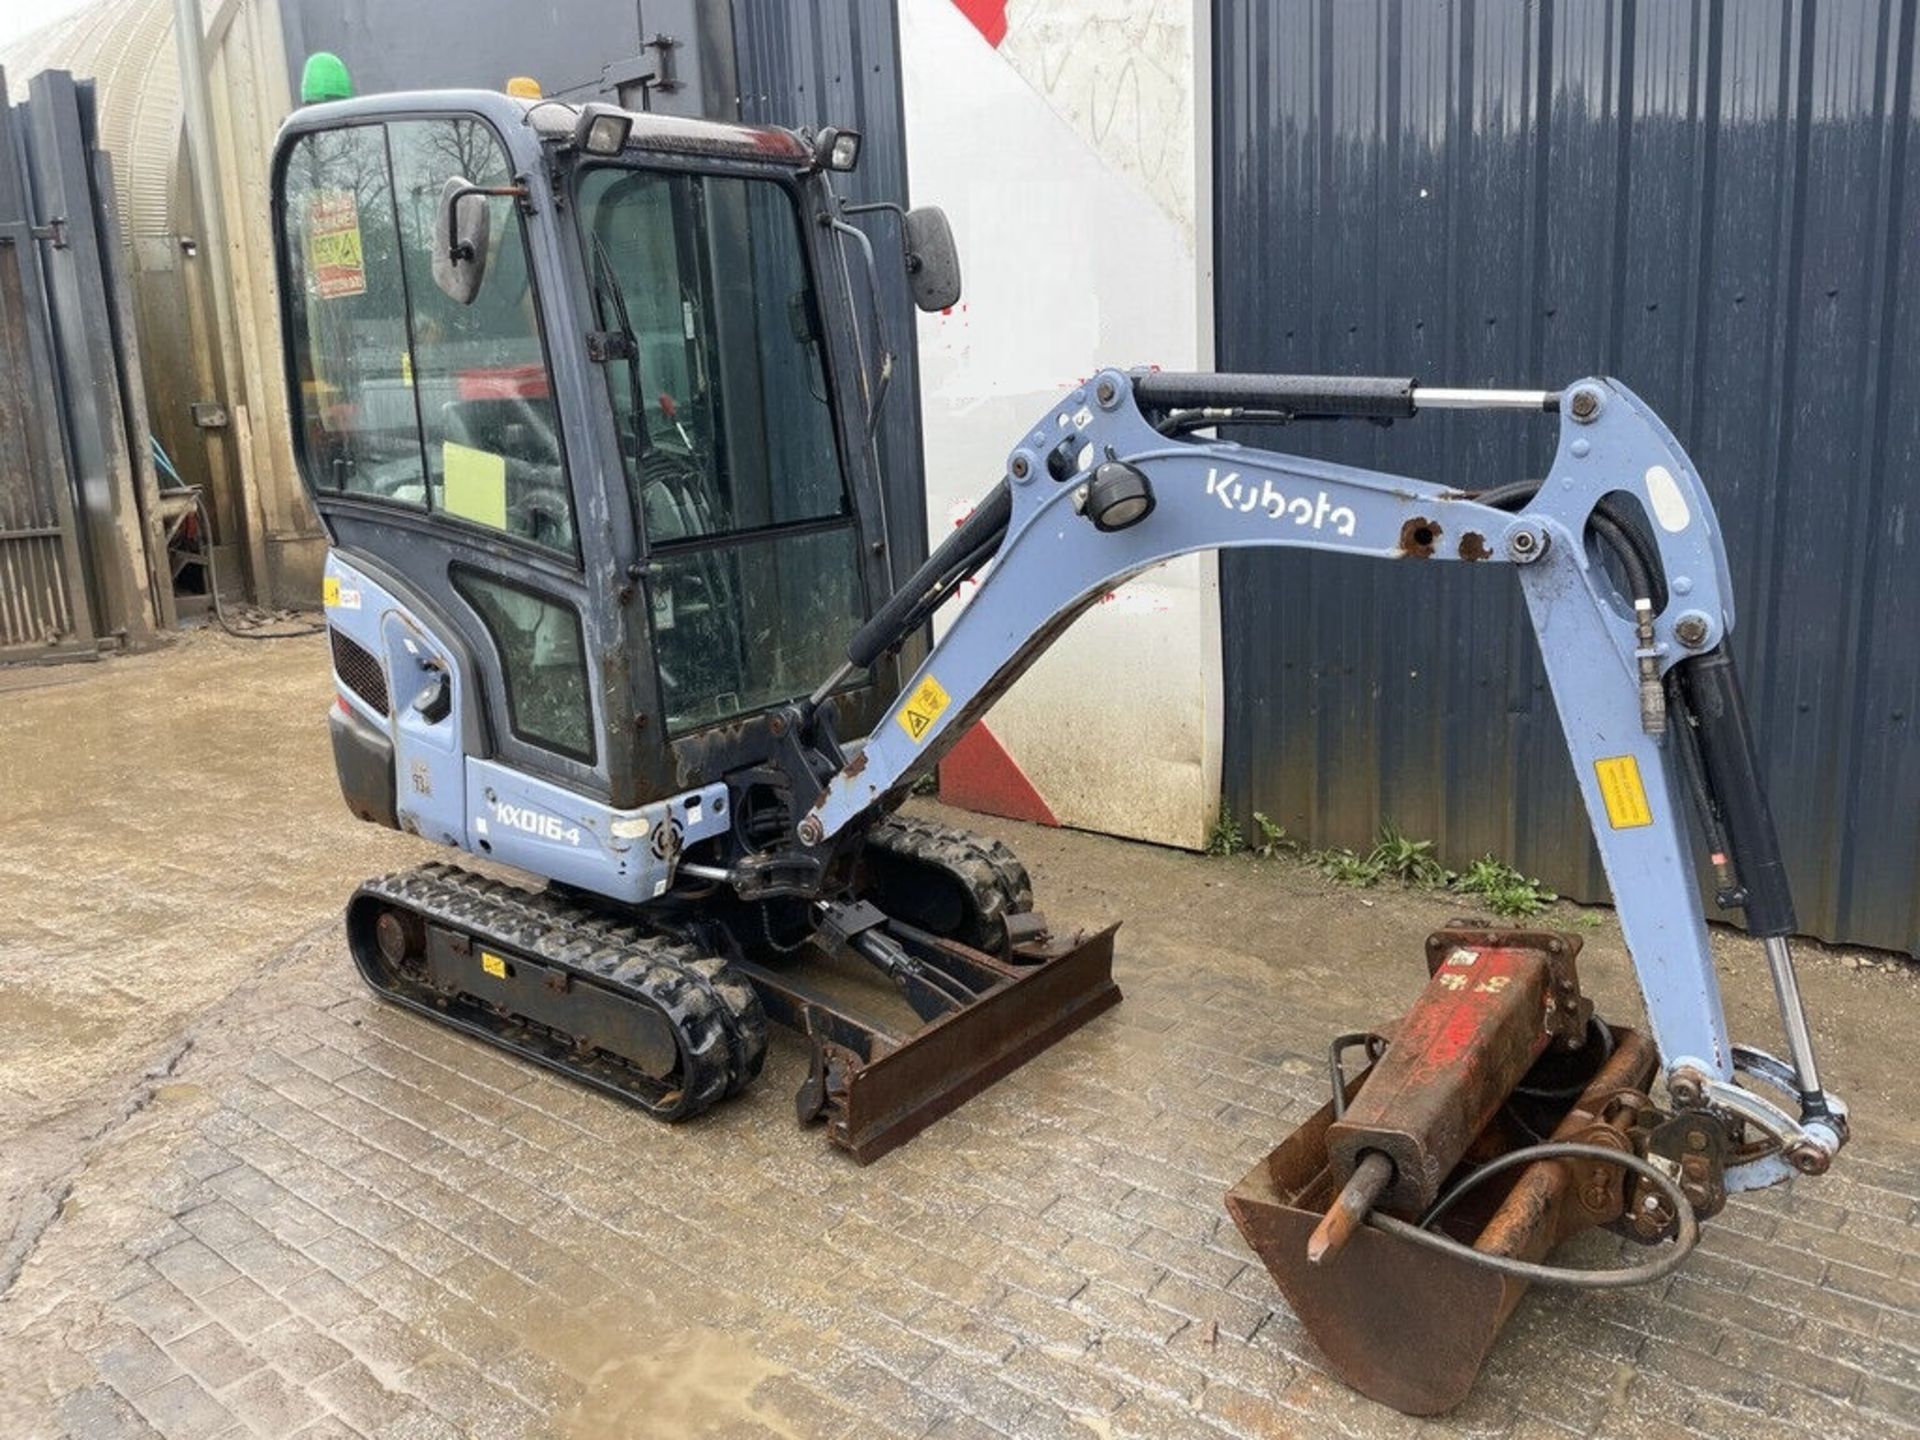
{"points": [[586, 400]]}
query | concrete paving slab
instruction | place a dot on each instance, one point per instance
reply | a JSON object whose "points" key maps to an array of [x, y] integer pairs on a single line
{"points": [[241, 1197]]}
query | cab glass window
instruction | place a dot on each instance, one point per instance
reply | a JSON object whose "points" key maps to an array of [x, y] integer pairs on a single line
{"points": [[347, 319], [405, 394], [727, 429], [542, 660], [725, 413], [487, 417], [738, 628]]}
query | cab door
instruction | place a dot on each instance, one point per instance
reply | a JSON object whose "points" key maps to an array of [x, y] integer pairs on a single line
{"points": [[433, 443], [756, 571]]}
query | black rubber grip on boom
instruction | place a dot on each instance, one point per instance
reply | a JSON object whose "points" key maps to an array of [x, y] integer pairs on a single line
{"points": [[1732, 764], [917, 598], [1306, 397]]}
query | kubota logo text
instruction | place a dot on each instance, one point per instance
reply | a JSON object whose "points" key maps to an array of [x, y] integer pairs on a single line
{"points": [[1318, 513]]}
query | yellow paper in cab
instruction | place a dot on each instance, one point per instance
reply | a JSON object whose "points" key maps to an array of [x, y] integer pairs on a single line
{"points": [[476, 484]]}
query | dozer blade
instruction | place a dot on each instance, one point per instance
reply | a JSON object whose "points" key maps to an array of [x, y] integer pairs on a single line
{"points": [[877, 1086], [1403, 1324]]}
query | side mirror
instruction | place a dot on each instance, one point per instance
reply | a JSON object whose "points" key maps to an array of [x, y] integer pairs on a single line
{"points": [[933, 264], [462, 228]]}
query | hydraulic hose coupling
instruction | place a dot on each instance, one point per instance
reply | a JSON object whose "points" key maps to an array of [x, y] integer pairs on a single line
{"points": [[1653, 698]]}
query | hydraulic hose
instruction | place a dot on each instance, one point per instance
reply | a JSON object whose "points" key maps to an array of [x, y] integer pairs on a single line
{"points": [[1608, 522], [1602, 1041], [964, 551], [1510, 496], [213, 588], [1565, 1276]]}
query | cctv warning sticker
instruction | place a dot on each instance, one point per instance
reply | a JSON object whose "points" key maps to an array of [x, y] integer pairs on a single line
{"points": [[1621, 790], [334, 255], [923, 707]]}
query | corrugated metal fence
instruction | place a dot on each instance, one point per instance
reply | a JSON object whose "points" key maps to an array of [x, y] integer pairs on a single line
{"points": [[44, 609], [1717, 203]]}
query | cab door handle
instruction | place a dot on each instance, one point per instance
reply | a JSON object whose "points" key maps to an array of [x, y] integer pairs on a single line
{"points": [[434, 702]]}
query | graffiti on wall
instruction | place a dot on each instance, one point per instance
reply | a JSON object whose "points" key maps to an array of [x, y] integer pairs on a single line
{"points": [[1119, 72]]}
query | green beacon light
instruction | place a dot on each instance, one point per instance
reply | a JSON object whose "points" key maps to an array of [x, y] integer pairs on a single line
{"points": [[325, 78]]}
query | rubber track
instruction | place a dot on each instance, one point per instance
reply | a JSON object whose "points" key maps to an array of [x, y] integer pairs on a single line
{"points": [[992, 874], [716, 1015]]}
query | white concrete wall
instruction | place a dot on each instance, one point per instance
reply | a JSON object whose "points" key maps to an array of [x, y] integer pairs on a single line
{"points": [[1066, 158]]}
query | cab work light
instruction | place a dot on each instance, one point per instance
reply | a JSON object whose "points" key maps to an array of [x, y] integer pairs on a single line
{"points": [[836, 149], [601, 129]]}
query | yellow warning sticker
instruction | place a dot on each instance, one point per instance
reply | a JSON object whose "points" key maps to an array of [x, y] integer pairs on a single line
{"points": [[493, 965], [1625, 796], [330, 591], [923, 707], [334, 254]]}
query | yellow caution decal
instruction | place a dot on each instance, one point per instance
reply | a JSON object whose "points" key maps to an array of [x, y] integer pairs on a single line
{"points": [[1625, 796], [493, 965], [330, 591], [923, 707]]}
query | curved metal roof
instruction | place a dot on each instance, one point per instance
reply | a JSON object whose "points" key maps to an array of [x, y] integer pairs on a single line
{"points": [[126, 48]]}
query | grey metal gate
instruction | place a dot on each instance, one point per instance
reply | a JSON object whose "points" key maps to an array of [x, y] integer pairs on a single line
{"points": [[82, 544], [43, 593], [1715, 202]]}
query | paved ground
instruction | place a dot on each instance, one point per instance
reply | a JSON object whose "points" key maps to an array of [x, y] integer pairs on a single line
{"points": [[240, 1197]]}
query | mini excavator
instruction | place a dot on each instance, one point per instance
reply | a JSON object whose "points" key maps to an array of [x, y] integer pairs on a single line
{"points": [[586, 399]]}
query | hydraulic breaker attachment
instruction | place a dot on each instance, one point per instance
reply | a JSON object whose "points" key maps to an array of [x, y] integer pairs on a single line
{"points": [[1498, 1119], [1493, 1004], [877, 1084]]}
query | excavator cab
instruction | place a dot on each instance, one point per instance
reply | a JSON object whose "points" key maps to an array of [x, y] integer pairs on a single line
{"points": [[585, 399], [620, 439]]}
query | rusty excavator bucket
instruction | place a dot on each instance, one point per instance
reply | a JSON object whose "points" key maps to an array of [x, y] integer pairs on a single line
{"points": [[1499, 1051]]}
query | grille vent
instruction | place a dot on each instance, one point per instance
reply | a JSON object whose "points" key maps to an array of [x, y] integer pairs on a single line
{"points": [[359, 671]]}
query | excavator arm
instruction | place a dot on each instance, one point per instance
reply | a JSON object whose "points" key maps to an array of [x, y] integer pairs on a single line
{"points": [[1632, 614]]}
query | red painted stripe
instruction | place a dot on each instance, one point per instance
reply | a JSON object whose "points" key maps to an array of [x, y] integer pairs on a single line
{"points": [[989, 17], [978, 774]]}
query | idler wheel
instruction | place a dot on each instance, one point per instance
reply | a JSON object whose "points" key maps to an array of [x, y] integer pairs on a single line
{"points": [[400, 936]]}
